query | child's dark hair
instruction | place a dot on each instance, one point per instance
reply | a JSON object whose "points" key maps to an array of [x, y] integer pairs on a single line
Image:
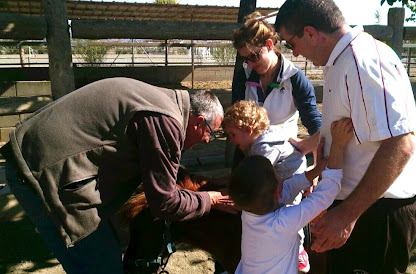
{"points": [[252, 185]]}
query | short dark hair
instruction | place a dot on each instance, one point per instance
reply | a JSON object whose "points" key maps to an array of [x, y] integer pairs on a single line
{"points": [[323, 15], [253, 184]]}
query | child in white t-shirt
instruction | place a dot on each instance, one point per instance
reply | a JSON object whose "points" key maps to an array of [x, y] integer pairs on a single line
{"points": [[270, 239], [248, 126]]}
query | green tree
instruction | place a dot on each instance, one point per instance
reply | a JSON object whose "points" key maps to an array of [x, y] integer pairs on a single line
{"points": [[93, 55], [391, 2], [377, 15], [224, 55], [412, 7]]}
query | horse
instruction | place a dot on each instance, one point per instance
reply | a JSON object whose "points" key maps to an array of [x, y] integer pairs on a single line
{"points": [[218, 233]]}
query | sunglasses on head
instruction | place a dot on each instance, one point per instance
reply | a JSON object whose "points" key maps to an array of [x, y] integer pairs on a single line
{"points": [[253, 57]]}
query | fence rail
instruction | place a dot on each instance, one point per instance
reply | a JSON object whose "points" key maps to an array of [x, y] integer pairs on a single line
{"points": [[152, 55]]}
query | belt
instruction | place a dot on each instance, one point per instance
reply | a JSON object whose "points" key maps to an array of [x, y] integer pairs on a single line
{"points": [[386, 203]]}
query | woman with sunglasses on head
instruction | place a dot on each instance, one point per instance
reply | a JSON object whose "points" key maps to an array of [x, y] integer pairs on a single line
{"points": [[276, 84], [268, 78]]}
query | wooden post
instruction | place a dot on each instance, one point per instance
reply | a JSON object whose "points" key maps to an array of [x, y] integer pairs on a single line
{"points": [[246, 7], [396, 22], [59, 48], [21, 53], [193, 64], [306, 67]]}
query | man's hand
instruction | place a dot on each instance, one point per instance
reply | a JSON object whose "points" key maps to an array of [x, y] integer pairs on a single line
{"points": [[332, 230], [222, 202]]}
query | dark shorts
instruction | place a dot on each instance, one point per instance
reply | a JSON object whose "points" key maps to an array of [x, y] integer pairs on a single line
{"points": [[381, 240]]}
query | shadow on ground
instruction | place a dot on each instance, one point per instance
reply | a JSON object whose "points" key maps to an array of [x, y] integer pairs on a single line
{"points": [[19, 241]]}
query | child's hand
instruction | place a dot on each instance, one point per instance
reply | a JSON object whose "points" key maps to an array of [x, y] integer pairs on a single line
{"points": [[341, 131], [321, 162]]}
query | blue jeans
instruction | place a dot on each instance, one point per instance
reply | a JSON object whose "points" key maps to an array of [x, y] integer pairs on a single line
{"points": [[100, 252]]}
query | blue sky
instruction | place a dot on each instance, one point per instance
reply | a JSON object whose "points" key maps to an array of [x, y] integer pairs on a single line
{"points": [[356, 12]]}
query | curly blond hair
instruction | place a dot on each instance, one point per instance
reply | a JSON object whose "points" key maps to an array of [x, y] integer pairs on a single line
{"points": [[255, 31], [245, 113]]}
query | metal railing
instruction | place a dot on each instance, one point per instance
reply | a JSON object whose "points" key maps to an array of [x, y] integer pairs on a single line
{"points": [[156, 53], [153, 53]]}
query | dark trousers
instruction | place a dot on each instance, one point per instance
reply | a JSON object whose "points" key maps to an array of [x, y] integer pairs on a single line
{"points": [[381, 240], [100, 252]]}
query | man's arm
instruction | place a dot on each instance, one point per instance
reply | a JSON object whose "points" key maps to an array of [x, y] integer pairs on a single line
{"points": [[159, 140], [336, 225]]}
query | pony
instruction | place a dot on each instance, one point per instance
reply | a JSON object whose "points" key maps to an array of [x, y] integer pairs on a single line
{"points": [[218, 233], [150, 245]]}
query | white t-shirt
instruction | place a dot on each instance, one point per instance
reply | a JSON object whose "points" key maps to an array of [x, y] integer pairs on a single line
{"points": [[270, 242], [365, 80]]}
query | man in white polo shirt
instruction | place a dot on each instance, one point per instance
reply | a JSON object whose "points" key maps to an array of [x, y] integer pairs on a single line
{"points": [[371, 226]]}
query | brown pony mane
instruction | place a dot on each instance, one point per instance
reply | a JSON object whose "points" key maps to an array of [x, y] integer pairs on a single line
{"points": [[138, 202]]}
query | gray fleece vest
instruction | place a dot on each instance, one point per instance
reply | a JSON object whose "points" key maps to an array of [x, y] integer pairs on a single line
{"points": [[72, 138]]}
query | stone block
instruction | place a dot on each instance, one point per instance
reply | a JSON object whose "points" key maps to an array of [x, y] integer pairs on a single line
{"points": [[9, 120], [4, 134], [23, 116], [33, 88], [8, 91]]}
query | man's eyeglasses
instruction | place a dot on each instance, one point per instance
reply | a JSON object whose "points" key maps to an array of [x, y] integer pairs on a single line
{"points": [[211, 132], [288, 43], [253, 57]]}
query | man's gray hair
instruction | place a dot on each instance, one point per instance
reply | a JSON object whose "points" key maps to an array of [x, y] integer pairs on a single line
{"points": [[206, 104]]}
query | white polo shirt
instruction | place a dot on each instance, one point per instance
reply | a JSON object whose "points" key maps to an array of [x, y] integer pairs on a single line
{"points": [[365, 80]]}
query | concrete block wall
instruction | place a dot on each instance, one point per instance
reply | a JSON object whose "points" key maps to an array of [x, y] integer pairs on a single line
{"points": [[20, 89], [157, 75]]}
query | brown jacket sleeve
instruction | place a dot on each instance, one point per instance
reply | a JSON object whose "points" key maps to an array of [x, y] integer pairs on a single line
{"points": [[159, 139]]}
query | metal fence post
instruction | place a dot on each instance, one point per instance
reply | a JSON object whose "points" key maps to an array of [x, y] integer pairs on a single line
{"points": [[409, 59]]}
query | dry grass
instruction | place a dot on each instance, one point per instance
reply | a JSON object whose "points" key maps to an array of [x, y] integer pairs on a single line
{"points": [[208, 84]]}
